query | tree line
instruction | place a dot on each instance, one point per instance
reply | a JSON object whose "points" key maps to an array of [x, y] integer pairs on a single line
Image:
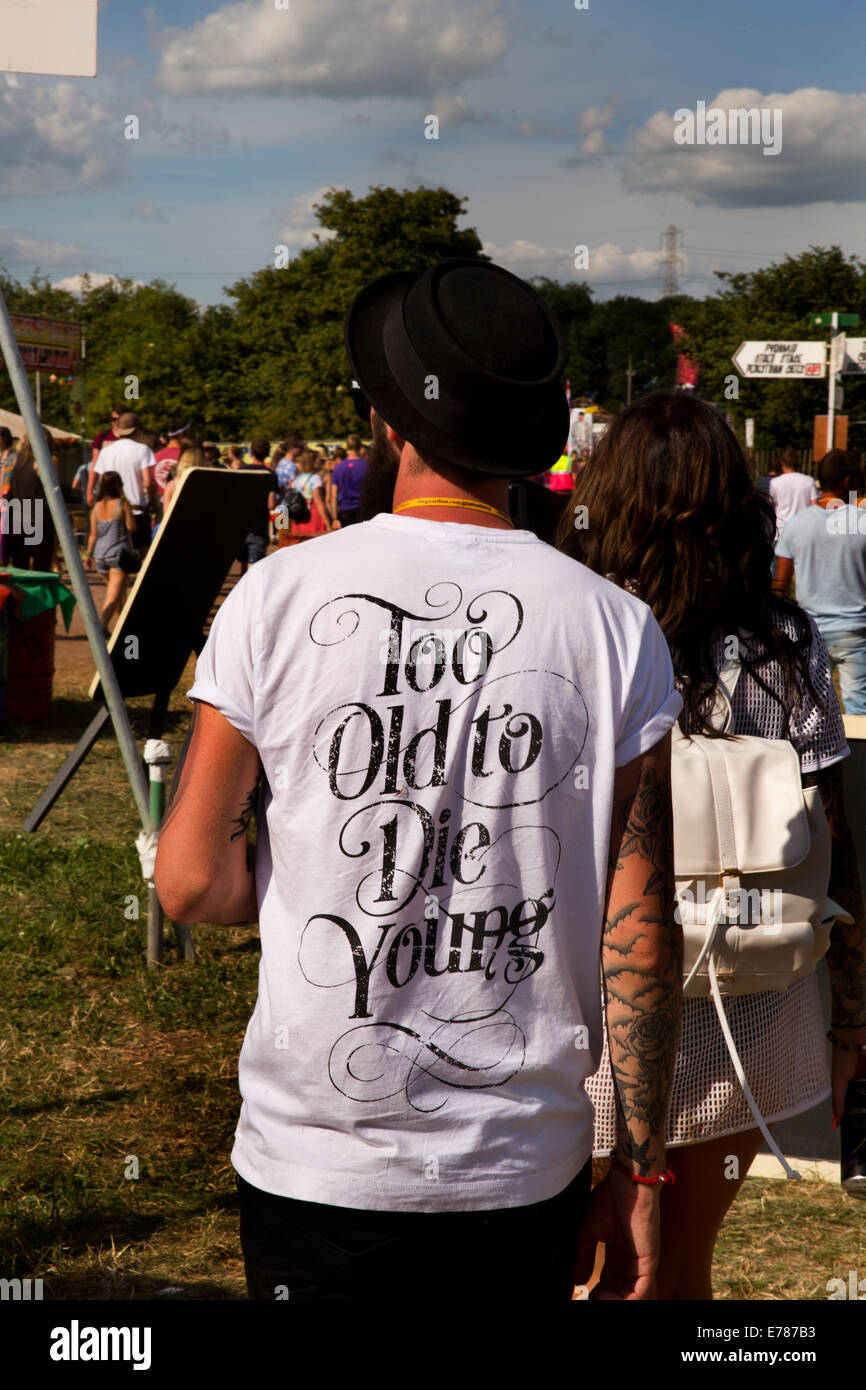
{"points": [[271, 358]]}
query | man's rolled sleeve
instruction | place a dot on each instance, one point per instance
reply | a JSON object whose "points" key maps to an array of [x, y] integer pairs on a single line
{"points": [[652, 703], [224, 671]]}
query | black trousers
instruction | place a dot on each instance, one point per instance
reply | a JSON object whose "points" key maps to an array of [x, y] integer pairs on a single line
{"points": [[350, 517], [306, 1251]]}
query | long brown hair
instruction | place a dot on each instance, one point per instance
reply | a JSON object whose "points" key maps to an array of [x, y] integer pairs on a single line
{"points": [[666, 508]]}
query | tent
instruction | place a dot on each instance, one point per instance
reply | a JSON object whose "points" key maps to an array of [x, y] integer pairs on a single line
{"points": [[15, 424]]}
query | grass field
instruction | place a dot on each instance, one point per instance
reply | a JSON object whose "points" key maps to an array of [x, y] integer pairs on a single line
{"points": [[103, 1063]]}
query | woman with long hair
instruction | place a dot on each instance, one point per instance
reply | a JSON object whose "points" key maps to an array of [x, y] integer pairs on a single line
{"points": [[309, 483], [111, 526], [667, 510], [191, 456], [25, 487]]}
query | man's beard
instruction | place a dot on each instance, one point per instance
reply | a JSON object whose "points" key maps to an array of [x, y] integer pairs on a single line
{"points": [[383, 462]]}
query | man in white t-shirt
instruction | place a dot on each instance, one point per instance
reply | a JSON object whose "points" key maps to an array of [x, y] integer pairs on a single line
{"points": [[792, 492], [133, 461], [456, 744]]}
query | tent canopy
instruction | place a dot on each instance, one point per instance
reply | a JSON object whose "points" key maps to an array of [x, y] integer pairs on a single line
{"points": [[15, 424]]}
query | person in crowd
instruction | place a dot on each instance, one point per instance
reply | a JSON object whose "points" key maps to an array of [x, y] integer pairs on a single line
{"points": [[430, 1116], [348, 479], [32, 544], [825, 550], [212, 454], [255, 546], [192, 455], [337, 454], [135, 463], [774, 469], [7, 457], [106, 436], [173, 436], [235, 456], [111, 525], [309, 482], [79, 482], [287, 467], [791, 491], [561, 479], [695, 544]]}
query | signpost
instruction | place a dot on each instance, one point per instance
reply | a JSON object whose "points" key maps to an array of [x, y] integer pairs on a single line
{"points": [[855, 357], [781, 359], [798, 359]]}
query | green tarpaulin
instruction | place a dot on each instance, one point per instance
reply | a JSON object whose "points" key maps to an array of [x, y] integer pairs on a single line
{"points": [[40, 592]]}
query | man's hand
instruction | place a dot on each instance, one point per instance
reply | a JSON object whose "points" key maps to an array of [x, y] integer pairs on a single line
{"points": [[623, 1216]]}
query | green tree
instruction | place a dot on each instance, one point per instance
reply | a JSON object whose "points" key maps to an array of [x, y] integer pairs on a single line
{"points": [[775, 303], [290, 321]]}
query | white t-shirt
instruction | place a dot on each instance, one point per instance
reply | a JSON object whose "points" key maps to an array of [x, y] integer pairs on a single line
{"points": [[126, 457], [791, 493], [432, 847]]}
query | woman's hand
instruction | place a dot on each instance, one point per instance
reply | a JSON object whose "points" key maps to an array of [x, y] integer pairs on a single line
{"points": [[846, 1066], [88, 562]]}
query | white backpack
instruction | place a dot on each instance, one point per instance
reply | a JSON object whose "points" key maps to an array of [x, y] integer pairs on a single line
{"points": [[752, 865]]}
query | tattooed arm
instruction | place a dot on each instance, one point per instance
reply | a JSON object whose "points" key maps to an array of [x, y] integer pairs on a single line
{"points": [[642, 970], [204, 870], [641, 958], [846, 958]]}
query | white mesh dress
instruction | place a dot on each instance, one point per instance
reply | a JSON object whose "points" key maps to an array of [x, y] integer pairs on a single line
{"points": [[779, 1035]]}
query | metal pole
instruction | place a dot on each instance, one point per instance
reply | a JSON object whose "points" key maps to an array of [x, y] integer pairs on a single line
{"points": [[77, 577], [157, 755], [831, 393], [39, 395]]}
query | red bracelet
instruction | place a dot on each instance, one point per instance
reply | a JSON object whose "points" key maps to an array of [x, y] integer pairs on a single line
{"points": [[660, 1178]]}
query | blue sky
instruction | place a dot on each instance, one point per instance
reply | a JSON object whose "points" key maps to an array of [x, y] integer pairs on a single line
{"points": [[555, 123]]}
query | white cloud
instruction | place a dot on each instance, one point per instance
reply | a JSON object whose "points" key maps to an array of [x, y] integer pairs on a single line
{"points": [[77, 284], [148, 211], [822, 158], [23, 251], [595, 143], [373, 47], [608, 264], [455, 110], [54, 138], [595, 118], [298, 222]]}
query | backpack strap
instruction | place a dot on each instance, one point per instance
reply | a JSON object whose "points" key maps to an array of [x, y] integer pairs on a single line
{"points": [[741, 1074], [722, 714]]}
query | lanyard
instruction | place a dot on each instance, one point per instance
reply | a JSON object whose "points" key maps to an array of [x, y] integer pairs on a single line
{"points": [[469, 502]]}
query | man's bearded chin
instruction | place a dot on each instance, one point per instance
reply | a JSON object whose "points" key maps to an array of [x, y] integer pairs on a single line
{"points": [[383, 462]]}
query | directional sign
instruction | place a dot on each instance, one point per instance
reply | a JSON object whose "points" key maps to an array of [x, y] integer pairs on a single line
{"points": [[842, 320], [838, 351], [778, 359], [855, 357]]}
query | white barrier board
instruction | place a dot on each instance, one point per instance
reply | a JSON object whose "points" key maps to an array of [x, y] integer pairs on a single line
{"points": [[51, 36]]}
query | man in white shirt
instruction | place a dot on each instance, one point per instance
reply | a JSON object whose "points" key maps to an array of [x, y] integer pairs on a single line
{"points": [[456, 744], [791, 491], [133, 461]]}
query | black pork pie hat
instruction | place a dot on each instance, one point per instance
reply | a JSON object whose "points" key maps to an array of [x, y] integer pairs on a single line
{"points": [[483, 340]]}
